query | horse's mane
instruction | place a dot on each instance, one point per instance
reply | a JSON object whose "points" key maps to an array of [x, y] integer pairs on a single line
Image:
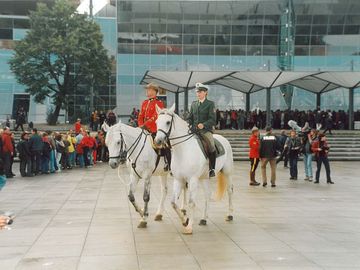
{"points": [[132, 131]]}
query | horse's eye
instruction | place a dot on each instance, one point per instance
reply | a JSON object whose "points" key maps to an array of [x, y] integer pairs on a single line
{"points": [[168, 122], [118, 142]]}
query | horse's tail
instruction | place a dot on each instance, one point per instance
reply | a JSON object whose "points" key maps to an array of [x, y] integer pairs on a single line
{"points": [[221, 186]]}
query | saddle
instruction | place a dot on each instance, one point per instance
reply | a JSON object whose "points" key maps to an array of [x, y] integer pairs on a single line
{"points": [[205, 147]]}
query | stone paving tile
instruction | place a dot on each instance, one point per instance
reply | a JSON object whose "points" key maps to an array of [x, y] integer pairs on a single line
{"points": [[81, 219]]}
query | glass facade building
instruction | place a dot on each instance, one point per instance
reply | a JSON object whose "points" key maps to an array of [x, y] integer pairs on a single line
{"points": [[237, 35], [171, 35]]}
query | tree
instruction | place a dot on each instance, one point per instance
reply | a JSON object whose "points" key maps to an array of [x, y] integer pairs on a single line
{"points": [[61, 50]]}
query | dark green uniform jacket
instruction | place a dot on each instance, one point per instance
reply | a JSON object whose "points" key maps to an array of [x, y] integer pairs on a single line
{"points": [[202, 113]]}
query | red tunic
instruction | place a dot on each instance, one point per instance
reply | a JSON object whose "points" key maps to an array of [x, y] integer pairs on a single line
{"points": [[7, 143], [148, 115], [254, 144]]}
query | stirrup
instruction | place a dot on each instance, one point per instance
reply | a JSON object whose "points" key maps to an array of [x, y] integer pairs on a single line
{"points": [[212, 173]]}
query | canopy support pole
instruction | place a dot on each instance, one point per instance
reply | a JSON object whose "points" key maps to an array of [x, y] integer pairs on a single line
{"points": [[318, 101], [351, 108], [186, 100], [177, 102], [268, 106], [247, 102]]}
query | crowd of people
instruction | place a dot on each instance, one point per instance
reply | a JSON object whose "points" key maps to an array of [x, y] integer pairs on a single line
{"points": [[49, 152], [271, 149], [240, 119]]}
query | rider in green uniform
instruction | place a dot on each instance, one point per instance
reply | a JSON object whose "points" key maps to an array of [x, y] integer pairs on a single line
{"points": [[202, 119]]}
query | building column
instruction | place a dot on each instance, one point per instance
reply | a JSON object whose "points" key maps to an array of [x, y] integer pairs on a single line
{"points": [[268, 106], [247, 102], [318, 101], [177, 102], [186, 100], [351, 108]]}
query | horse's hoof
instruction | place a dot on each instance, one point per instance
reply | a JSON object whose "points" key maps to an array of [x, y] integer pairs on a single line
{"points": [[158, 217], [202, 222], [183, 211], [229, 218], [142, 225], [187, 231], [186, 222]]}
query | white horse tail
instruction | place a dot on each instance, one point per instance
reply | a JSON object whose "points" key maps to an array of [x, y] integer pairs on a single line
{"points": [[221, 186]]}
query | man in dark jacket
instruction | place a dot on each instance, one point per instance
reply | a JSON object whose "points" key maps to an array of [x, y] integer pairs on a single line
{"points": [[284, 152], [24, 155], [268, 153], [36, 148], [202, 119], [321, 149]]}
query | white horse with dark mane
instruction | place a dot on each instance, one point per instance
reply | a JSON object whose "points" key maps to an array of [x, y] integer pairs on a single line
{"points": [[134, 146], [189, 164]]}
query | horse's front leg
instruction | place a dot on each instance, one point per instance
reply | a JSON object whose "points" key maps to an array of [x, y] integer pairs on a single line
{"points": [[207, 193], [164, 189], [133, 183], [146, 197], [176, 194], [192, 199]]}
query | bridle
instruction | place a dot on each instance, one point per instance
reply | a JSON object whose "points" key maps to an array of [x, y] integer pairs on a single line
{"points": [[188, 136]]}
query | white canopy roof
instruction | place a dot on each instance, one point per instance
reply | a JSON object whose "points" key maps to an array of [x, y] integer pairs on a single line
{"points": [[252, 81]]}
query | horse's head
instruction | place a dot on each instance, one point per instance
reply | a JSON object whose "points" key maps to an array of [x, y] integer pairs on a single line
{"points": [[164, 124], [116, 145]]}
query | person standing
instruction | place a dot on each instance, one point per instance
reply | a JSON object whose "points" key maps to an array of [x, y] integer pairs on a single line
{"points": [[7, 151], [77, 126], [148, 116], [20, 119], [293, 146], [202, 119], [284, 151], [111, 118], [36, 147], [268, 153], [254, 155], [307, 142], [25, 155], [321, 149], [328, 123], [46, 153]]}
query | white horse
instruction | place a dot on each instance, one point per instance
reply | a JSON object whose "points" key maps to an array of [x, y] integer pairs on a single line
{"points": [[134, 145], [189, 164]]}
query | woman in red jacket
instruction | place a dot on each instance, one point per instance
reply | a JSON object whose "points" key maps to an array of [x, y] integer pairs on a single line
{"points": [[254, 144]]}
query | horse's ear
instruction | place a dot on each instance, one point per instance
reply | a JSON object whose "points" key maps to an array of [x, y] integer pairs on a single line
{"points": [[172, 108], [158, 109], [105, 127]]}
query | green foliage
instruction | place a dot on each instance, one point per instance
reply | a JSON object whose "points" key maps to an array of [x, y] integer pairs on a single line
{"points": [[61, 50]]}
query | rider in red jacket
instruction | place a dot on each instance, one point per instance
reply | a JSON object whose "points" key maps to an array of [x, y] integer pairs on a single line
{"points": [[148, 116]]}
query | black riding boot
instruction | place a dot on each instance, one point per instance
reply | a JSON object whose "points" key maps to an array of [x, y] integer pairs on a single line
{"points": [[167, 156], [212, 162]]}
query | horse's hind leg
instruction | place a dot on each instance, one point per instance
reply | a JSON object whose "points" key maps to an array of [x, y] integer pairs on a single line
{"points": [[184, 201], [164, 189], [147, 185], [205, 185], [230, 191]]}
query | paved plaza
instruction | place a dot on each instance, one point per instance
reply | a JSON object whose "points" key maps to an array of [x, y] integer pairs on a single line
{"points": [[81, 219]]}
